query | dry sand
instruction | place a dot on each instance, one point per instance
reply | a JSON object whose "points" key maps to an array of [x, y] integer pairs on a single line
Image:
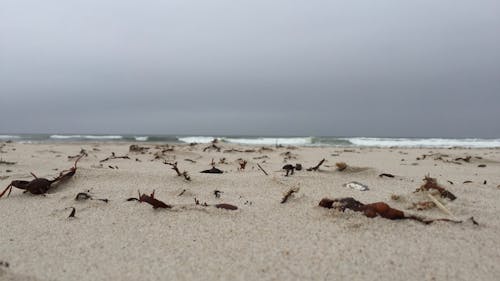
{"points": [[263, 239]]}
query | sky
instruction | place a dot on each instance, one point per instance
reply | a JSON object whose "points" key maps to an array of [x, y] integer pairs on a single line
{"points": [[257, 67]]}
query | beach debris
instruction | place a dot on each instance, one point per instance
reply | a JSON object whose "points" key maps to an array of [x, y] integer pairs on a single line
{"points": [[182, 192], [262, 169], [138, 149], [217, 193], [395, 197], [465, 159], [82, 196], [315, 168], [473, 221], [465, 182], [386, 175], [113, 156], [289, 194], [4, 177], [485, 182], [213, 170], [226, 206], [85, 196], [38, 185], [450, 182], [223, 160], [3, 162], [4, 264], [298, 167], [289, 168], [73, 212], [176, 169], [232, 150], [357, 186], [82, 152], [431, 183], [481, 166], [150, 200], [213, 146], [341, 166], [439, 204], [190, 160], [423, 205], [218, 206], [288, 155], [374, 209], [242, 163]]}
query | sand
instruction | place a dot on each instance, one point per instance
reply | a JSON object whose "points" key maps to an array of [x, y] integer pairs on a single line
{"points": [[263, 239]]}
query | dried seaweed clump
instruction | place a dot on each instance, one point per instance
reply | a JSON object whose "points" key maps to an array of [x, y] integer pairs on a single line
{"points": [[374, 209], [341, 166], [431, 183]]}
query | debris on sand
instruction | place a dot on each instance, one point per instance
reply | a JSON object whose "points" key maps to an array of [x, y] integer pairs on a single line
{"points": [[151, 200], [386, 175], [357, 186], [213, 170], [315, 168], [374, 209], [341, 166], [289, 194], [431, 183]]}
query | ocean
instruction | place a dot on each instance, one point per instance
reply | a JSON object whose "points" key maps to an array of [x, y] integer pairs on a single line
{"points": [[253, 140]]}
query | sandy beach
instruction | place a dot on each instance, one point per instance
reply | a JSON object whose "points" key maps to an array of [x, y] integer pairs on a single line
{"points": [[261, 240]]}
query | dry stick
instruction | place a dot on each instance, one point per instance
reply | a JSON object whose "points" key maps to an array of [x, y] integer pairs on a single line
{"points": [[289, 194], [262, 169], [174, 167], [440, 206], [315, 168]]}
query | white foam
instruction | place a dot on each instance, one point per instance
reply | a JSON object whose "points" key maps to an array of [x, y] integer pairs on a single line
{"points": [[86, 137], [143, 138], [6, 137], [270, 141], [196, 139], [433, 142]]}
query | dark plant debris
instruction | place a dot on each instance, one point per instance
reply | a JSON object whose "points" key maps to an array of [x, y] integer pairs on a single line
{"points": [[262, 169], [113, 156], [289, 194], [315, 168], [431, 183], [73, 212], [374, 209], [386, 175], [38, 185]]}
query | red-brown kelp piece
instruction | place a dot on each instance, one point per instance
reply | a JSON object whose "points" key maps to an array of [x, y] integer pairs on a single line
{"points": [[431, 183], [41, 185], [374, 209], [153, 201]]}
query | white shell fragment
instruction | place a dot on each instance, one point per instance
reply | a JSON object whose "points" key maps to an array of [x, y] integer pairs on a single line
{"points": [[356, 185]]}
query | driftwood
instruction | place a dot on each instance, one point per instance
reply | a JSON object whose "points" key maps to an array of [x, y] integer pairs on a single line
{"points": [[113, 156], [315, 168], [289, 194], [176, 169], [374, 209], [262, 169]]}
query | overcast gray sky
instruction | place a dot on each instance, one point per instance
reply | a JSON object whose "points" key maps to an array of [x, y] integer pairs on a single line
{"points": [[338, 68]]}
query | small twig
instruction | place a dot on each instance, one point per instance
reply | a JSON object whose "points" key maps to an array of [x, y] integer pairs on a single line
{"points": [[315, 168], [289, 194], [264, 171]]}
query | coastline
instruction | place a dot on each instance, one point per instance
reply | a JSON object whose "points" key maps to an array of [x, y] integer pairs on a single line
{"points": [[263, 239]]}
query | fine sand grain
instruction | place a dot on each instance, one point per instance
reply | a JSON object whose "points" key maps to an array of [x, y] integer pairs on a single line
{"points": [[263, 239]]}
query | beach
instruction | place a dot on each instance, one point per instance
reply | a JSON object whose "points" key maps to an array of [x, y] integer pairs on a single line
{"points": [[263, 239]]}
